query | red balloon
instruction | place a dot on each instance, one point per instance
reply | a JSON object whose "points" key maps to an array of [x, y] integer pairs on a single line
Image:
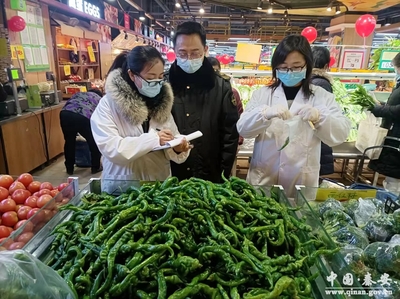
{"points": [[231, 59], [332, 61], [171, 55], [365, 25], [310, 33], [16, 24], [225, 59]]}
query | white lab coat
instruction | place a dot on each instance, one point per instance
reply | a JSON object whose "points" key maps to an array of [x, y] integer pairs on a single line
{"points": [[127, 150], [299, 162]]}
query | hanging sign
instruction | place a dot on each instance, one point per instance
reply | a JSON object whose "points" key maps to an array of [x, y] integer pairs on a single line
{"points": [[19, 50], [127, 22], [385, 62], [353, 59], [85, 7], [92, 58], [67, 70]]}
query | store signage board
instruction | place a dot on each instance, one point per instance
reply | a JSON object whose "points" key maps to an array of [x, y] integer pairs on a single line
{"points": [[249, 53], [385, 62], [127, 23], [344, 194], [85, 7], [353, 59]]}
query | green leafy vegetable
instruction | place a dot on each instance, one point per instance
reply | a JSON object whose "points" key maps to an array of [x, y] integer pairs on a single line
{"points": [[361, 98]]}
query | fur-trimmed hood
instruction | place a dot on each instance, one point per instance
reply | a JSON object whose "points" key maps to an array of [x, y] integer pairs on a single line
{"points": [[323, 74], [132, 105]]}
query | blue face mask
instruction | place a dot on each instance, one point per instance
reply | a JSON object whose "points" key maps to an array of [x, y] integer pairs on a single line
{"points": [[291, 79], [151, 88], [190, 66]]}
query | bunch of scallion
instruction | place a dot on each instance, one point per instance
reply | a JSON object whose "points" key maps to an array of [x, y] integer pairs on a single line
{"points": [[361, 98]]}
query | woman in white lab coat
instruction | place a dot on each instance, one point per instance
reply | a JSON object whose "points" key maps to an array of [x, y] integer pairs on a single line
{"points": [[135, 117], [292, 110]]}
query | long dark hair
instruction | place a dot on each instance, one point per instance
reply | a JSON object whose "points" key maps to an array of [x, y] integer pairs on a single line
{"points": [[136, 60], [288, 45], [118, 61], [321, 57]]}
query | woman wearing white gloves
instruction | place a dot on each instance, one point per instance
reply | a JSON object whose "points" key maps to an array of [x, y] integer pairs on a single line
{"points": [[134, 118], [289, 119]]}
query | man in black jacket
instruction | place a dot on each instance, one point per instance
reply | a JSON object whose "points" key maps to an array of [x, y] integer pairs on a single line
{"points": [[204, 102]]}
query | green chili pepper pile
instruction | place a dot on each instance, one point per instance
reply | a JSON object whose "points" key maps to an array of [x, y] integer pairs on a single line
{"points": [[188, 239]]}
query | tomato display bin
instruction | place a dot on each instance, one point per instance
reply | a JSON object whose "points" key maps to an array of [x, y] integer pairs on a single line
{"points": [[42, 241], [306, 200], [39, 220]]}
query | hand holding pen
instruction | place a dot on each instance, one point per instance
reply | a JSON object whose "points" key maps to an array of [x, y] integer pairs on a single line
{"points": [[165, 136]]}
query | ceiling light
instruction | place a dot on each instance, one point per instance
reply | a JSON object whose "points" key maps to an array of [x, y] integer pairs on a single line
{"points": [[338, 9], [177, 4], [168, 22], [329, 8], [172, 32], [201, 10], [141, 16], [387, 24], [269, 9], [259, 7], [242, 15], [285, 14]]}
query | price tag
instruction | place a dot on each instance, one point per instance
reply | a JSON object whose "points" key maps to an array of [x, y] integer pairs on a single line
{"points": [[387, 65], [67, 70], [343, 195]]}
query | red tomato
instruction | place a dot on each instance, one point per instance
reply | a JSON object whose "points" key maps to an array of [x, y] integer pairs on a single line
{"points": [[25, 179], [16, 245], [25, 237], [18, 207], [6, 181], [46, 185], [31, 201], [15, 186], [38, 227], [54, 192], [4, 232], [7, 243], [48, 214], [7, 205], [20, 196], [44, 191], [43, 200], [23, 212], [65, 201], [34, 186], [38, 218], [62, 186], [9, 218], [36, 194], [3, 193], [28, 225]]}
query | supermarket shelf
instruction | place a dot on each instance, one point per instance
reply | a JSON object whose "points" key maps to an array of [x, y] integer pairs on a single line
{"points": [[341, 75]]}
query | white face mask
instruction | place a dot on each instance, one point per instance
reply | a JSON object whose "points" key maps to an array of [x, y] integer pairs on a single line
{"points": [[190, 66], [151, 88]]}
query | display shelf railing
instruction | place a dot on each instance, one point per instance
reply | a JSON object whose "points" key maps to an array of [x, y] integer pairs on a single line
{"points": [[341, 75], [48, 213], [324, 266]]}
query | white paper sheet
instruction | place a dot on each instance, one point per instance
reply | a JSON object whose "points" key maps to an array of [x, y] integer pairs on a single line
{"points": [[37, 56], [30, 15], [24, 35], [38, 16], [45, 57], [33, 36], [28, 56], [41, 37], [178, 140]]}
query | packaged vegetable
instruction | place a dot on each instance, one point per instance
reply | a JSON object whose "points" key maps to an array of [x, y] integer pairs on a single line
{"points": [[353, 257], [380, 228], [395, 240], [351, 206], [329, 204], [365, 210], [396, 220], [24, 276], [350, 235]]}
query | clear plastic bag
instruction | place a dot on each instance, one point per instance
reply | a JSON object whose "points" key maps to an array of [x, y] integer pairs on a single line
{"points": [[364, 212], [329, 204], [380, 228], [24, 276], [351, 235], [395, 240]]}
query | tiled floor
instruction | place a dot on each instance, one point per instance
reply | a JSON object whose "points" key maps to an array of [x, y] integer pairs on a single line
{"points": [[55, 172]]}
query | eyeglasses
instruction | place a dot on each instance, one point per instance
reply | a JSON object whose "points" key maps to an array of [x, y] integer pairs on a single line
{"points": [[185, 56], [290, 69], [152, 83]]}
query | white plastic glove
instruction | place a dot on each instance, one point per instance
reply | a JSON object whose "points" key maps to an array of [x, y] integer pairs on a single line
{"points": [[278, 111], [309, 113]]}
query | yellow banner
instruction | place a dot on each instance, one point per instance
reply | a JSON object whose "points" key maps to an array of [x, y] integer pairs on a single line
{"points": [[19, 50], [92, 58], [344, 194], [67, 70]]}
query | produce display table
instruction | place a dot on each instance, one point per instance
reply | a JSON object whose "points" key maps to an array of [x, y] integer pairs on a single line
{"points": [[30, 140]]}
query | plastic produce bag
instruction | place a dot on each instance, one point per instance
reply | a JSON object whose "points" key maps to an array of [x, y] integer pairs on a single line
{"points": [[395, 240], [380, 228], [351, 206], [350, 235], [329, 204], [352, 255], [22, 276], [396, 220], [383, 257], [364, 212]]}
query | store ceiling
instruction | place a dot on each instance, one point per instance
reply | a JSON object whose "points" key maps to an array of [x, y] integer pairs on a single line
{"points": [[224, 19]]}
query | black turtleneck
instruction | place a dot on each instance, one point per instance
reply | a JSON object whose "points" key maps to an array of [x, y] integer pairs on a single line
{"points": [[204, 78]]}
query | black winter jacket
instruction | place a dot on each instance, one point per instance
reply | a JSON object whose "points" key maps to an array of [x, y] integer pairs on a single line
{"points": [[204, 101], [322, 79], [388, 162]]}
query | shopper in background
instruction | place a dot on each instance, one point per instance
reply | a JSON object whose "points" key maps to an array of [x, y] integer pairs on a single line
{"points": [[388, 163], [320, 77], [75, 118], [134, 117], [204, 102], [316, 117], [217, 67]]}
